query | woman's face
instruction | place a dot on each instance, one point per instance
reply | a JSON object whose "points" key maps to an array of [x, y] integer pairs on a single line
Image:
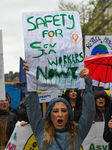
{"points": [[59, 115], [72, 94], [4, 104], [100, 102]]}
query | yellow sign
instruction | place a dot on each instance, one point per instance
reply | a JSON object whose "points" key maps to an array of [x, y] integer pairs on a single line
{"points": [[40, 92], [31, 144], [108, 92], [81, 148]]}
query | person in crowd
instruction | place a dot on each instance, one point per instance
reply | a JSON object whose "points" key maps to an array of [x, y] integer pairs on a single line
{"points": [[59, 131], [72, 96], [7, 122], [102, 100], [21, 110], [80, 91], [107, 134]]}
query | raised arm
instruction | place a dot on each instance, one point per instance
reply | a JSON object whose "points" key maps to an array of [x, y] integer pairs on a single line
{"points": [[88, 106], [34, 111]]}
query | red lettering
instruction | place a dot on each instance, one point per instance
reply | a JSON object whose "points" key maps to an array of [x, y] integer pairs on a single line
{"points": [[11, 146]]}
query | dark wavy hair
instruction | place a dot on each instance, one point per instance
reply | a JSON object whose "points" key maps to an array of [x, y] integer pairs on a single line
{"points": [[8, 97], [78, 99]]}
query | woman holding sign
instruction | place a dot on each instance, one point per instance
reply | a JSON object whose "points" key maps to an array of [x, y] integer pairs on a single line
{"points": [[59, 131]]}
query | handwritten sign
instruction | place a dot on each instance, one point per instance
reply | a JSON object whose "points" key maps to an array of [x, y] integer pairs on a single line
{"points": [[53, 50], [95, 45], [98, 45], [2, 82]]}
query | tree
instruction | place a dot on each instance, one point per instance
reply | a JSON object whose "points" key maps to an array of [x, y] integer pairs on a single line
{"points": [[67, 6], [85, 9]]}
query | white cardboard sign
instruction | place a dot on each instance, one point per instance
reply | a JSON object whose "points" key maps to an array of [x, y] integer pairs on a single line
{"points": [[2, 82], [53, 50]]}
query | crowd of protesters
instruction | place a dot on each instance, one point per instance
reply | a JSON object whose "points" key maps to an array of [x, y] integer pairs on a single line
{"points": [[73, 105]]}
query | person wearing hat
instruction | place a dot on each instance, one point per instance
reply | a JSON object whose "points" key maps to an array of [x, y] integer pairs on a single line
{"points": [[102, 101], [7, 122], [59, 130]]}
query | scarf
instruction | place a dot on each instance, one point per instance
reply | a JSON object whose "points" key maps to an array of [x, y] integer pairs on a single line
{"points": [[3, 127]]}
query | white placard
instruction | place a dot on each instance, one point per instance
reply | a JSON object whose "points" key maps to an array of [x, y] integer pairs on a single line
{"points": [[2, 82], [47, 96], [22, 138], [94, 139], [53, 50]]}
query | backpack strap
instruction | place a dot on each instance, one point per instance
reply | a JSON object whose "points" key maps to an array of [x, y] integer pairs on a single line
{"points": [[58, 144]]}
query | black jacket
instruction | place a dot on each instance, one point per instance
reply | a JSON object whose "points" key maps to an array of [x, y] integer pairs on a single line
{"points": [[12, 120], [78, 106], [22, 113], [107, 135]]}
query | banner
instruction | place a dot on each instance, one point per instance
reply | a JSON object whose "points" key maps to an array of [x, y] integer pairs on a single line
{"points": [[22, 138], [53, 50], [95, 45], [47, 96], [2, 81], [94, 139]]}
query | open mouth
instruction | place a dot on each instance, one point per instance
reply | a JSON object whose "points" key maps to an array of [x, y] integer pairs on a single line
{"points": [[101, 102], [4, 106], [60, 121]]}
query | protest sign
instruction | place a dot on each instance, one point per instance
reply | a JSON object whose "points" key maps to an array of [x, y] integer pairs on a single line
{"points": [[2, 82], [94, 139], [22, 138], [95, 45], [47, 96], [53, 50]]}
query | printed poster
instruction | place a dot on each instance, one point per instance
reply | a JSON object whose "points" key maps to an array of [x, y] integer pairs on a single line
{"points": [[22, 138], [53, 50], [96, 45], [2, 82], [47, 96], [94, 139]]}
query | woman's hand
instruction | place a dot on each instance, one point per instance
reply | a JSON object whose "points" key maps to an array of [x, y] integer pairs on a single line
{"points": [[22, 123], [110, 123], [25, 66], [84, 73]]}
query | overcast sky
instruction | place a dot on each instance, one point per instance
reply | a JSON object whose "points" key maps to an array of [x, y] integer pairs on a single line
{"points": [[12, 27]]}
